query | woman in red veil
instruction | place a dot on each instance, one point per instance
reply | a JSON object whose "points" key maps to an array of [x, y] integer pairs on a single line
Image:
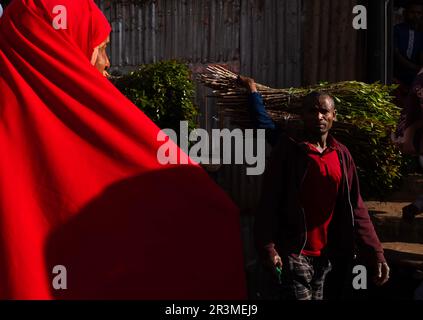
{"points": [[81, 189]]}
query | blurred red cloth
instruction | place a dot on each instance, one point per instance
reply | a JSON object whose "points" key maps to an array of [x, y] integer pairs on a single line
{"points": [[80, 183]]}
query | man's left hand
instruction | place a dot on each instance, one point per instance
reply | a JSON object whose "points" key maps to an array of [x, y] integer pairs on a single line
{"points": [[382, 274]]}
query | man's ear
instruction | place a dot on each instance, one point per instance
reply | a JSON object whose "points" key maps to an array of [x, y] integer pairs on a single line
{"points": [[334, 115]]}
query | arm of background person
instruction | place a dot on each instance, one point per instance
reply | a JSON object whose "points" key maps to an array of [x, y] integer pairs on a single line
{"points": [[258, 113], [405, 63]]}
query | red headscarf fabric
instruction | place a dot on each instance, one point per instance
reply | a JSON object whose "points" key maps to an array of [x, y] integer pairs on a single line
{"points": [[80, 183]]}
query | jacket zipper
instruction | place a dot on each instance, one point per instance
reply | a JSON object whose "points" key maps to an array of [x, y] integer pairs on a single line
{"points": [[304, 216], [305, 233], [348, 190], [354, 255]]}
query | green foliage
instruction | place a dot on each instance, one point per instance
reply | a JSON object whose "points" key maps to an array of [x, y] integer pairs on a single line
{"points": [[164, 91]]}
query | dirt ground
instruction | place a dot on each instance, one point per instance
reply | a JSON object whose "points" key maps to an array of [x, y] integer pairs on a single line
{"points": [[402, 241], [387, 214]]}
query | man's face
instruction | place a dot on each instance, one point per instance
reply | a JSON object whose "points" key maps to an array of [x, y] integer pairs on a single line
{"points": [[414, 15], [319, 116]]}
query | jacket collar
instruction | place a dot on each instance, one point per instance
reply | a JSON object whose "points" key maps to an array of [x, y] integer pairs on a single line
{"points": [[301, 142]]}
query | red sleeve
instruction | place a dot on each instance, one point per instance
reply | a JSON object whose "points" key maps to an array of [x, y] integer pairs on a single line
{"points": [[366, 238]]}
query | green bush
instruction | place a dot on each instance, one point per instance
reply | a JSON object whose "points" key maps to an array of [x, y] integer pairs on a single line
{"points": [[164, 91], [369, 116]]}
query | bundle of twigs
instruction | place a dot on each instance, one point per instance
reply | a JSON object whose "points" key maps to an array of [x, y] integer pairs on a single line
{"points": [[232, 98], [366, 116]]}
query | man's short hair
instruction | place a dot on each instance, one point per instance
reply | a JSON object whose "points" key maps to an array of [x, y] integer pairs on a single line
{"points": [[314, 97]]}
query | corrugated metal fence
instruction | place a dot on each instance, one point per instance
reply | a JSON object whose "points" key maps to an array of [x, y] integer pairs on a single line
{"points": [[262, 38], [333, 49]]}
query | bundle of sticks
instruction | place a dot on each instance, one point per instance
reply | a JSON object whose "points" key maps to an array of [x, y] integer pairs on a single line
{"points": [[281, 104], [232, 98]]}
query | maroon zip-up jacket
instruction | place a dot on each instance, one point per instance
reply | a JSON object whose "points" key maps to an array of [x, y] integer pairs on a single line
{"points": [[280, 226]]}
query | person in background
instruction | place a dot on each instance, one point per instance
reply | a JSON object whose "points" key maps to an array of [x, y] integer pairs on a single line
{"points": [[408, 44], [412, 210], [409, 136]]}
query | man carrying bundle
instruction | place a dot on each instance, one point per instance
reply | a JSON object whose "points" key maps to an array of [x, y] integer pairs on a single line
{"points": [[311, 217]]}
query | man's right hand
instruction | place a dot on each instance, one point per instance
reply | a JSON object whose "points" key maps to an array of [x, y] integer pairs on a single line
{"points": [[274, 262], [277, 261], [277, 269]]}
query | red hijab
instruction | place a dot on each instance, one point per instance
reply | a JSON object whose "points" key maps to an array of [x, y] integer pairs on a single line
{"points": [[80, 183]]}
